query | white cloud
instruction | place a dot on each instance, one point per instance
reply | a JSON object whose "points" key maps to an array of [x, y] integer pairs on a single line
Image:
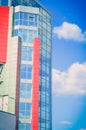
{"points": [[71, 82], [70, 31], [66, 122]]}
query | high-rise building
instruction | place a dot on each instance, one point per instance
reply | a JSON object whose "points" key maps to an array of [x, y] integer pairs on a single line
{"points": [[25, 63]]}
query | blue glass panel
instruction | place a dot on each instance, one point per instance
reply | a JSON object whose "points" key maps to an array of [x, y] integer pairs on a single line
{"points": [[29, 76], [23, 75], [20, 32], [28, 126], [25, 90], [28, 106], [29, 68], [21, 126], [21, 15], [24, 55], [21, 106], [24, 126], [31, 23], [22, 114], [22, 94], [35, 34], [24, 38], [28, 86], [25, 22], [16, 33], [21, 22], [17, 15], [25, 94], [17, 22], [23, 67], [26, 19], [26, 16]]}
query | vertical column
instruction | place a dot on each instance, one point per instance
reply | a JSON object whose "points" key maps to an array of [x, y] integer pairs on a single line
{"points": [[4, 19], [35, 89], [17, 84]]}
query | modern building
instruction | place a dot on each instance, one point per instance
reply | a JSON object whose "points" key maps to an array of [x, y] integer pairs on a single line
{"points": [[25, 63], [7, 121]]}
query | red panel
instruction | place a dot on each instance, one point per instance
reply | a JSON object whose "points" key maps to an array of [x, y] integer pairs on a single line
{"points": [[4, 19], [35, 93]]}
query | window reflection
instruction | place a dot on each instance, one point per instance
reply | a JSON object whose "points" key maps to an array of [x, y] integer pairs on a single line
{"points": [[26, 19], [25, 110], [26, 71], [26, 35], [25, 90]]}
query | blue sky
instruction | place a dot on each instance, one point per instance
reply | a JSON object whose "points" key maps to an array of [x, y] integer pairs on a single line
{"points": [[68, 63]]}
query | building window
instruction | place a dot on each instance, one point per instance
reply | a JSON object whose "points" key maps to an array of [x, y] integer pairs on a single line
{"points": [[26, 71], [25, 90], [26, 19], [23, 126], [25, 110], [26, 53], [27, 36]]}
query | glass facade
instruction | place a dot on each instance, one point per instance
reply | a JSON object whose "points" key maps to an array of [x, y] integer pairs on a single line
{"points": [[43, 24], [24, 126], [45, 71], [27, 35], [22, 24], [25, 110], [32, 3], [26, 53], [26, 90], [26, 71], [26, 19]]}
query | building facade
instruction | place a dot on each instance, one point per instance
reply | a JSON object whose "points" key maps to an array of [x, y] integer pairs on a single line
{"points": [[25, 63]]}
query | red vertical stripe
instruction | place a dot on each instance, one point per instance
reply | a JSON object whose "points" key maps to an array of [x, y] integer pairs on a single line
{"points": [[35, 93], [4, 19]]}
